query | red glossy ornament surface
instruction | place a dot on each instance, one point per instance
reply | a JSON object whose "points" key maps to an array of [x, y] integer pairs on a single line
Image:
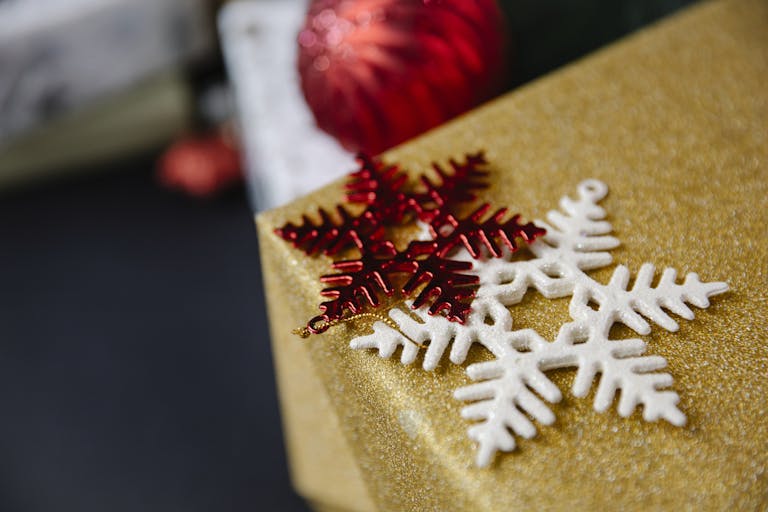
{"points": [[378, 72]]}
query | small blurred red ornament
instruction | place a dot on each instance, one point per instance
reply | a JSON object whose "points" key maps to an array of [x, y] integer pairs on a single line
{"points": [[202, 165], [378, 72]]}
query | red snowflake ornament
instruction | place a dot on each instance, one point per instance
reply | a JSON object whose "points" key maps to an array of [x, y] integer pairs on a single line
{"points": [[426, 264]]}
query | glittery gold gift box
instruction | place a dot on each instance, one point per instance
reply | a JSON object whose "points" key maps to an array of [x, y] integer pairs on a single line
{"points": [[675, 120]]}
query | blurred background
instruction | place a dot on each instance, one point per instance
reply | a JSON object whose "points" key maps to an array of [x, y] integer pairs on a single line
{"points": [[137, 139]]}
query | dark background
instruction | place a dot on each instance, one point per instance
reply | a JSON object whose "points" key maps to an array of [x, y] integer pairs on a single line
{"points": [[135, 368]]}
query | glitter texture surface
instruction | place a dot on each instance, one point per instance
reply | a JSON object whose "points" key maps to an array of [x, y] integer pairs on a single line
{"points": [[675, 119]]}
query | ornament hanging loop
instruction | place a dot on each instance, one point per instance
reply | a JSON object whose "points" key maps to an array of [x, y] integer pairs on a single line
{"points": [[321, 323], [317, 325], [592, 190]]}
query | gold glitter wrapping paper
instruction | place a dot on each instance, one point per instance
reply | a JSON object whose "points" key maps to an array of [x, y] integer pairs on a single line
{"points": [[675, 120]]}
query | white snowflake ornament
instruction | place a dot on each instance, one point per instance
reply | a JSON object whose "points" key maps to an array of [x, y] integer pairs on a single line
{"points": [[514, 385]]}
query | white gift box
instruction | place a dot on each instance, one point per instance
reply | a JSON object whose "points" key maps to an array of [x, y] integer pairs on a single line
{"points": [[286, 154]]}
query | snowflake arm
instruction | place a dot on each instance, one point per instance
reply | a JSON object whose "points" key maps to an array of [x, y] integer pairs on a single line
{"points": [[331, 235], [622, 367], [380, 187], [617, 304], [504, 394], [444, 286], [386, 340], [578, 235], [502, 406], [457, 187], [489, 324], [474, 234], [359, 283], [575, 240]]}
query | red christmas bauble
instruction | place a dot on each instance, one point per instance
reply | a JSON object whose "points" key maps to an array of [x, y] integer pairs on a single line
{"points": [[378, 72], [201, 165]]}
